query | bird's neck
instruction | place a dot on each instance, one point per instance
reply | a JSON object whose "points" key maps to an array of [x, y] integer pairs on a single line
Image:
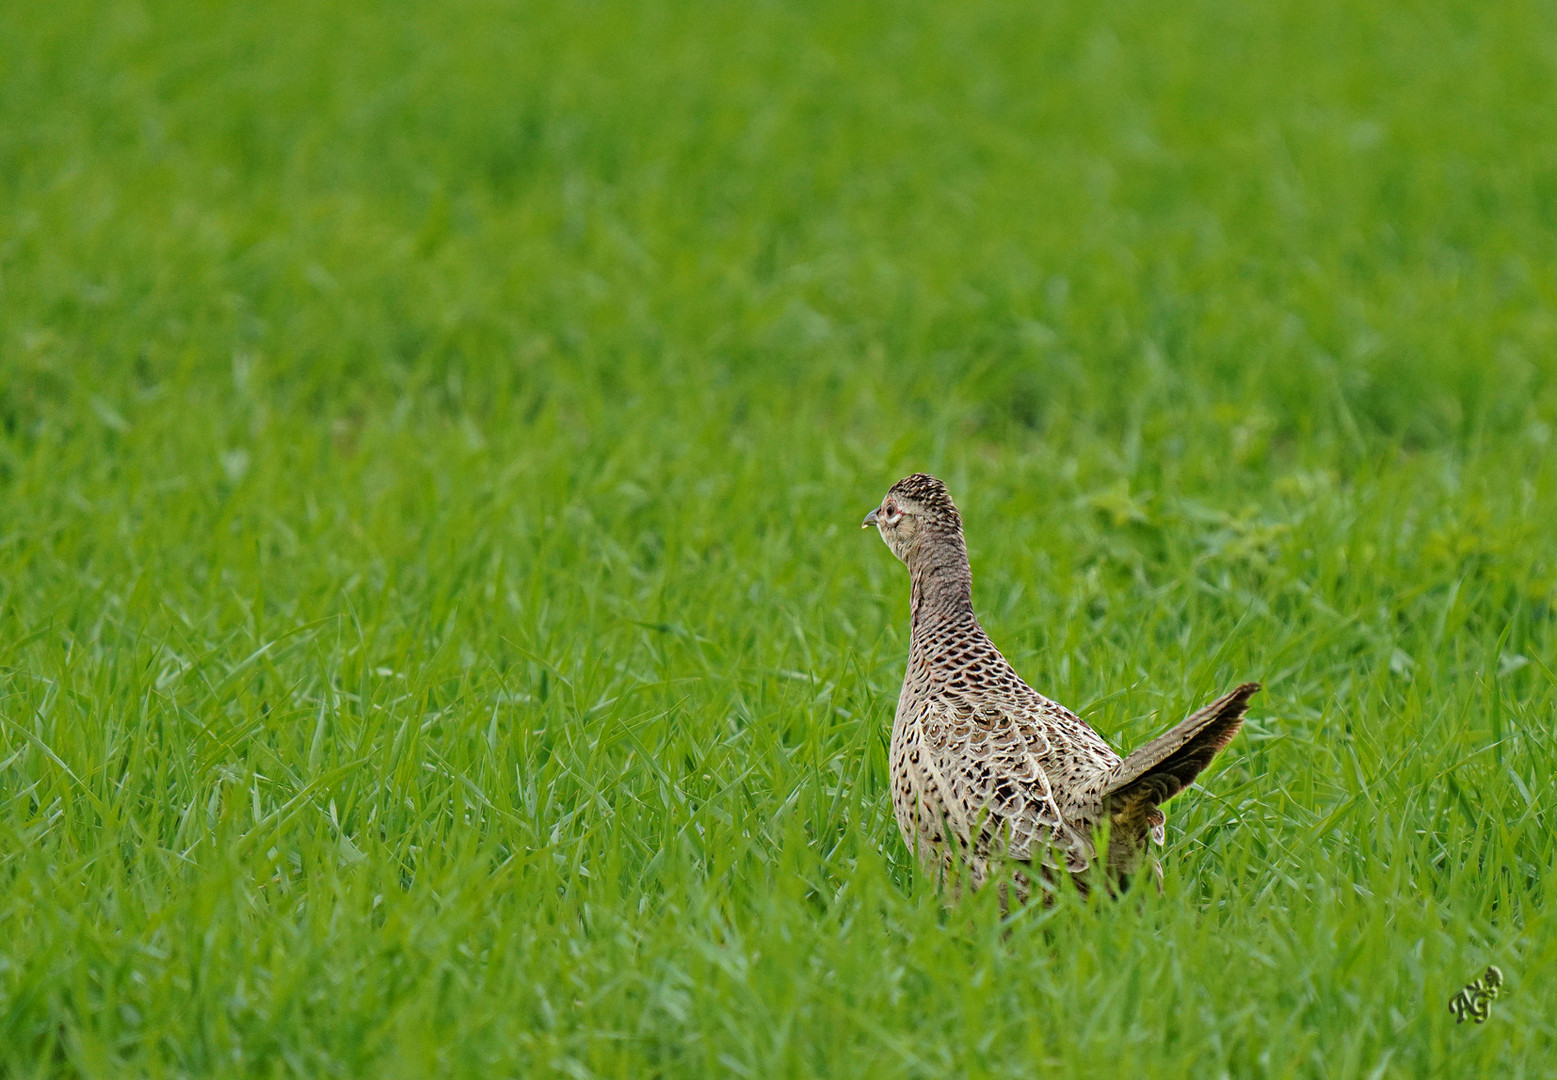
{"points": [[941, 594]]}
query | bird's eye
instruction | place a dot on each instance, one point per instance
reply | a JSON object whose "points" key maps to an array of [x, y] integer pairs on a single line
{"points": [[890, 508]]}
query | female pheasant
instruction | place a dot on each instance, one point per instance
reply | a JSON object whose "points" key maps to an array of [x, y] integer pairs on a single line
{"points": [[983, 766]]}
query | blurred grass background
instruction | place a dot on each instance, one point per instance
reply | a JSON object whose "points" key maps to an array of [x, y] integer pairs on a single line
{"points": [[435, 635]]}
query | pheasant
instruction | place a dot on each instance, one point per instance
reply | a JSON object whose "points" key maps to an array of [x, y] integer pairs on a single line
{"points": [[984, 768]]}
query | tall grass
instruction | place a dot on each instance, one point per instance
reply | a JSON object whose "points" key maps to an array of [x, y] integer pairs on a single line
{"points": [[435, 636]]}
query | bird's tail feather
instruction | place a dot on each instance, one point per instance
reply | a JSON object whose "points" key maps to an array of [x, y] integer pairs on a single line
{"points": [[1156, 772]]}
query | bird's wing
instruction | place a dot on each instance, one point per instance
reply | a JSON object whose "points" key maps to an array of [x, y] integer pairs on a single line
{"points": [[989, 763]]}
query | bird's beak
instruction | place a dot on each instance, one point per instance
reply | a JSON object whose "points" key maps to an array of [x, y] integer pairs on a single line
{"points": [[870, 518]]}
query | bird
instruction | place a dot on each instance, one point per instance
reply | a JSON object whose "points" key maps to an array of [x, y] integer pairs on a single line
{"points": [[984, 769]]}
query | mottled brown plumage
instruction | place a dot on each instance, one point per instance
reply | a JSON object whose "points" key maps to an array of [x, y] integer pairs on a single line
{"points": [[983, 766]]}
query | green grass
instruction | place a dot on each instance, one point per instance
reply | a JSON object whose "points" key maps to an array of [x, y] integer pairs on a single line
{"points": [[435, 635]]}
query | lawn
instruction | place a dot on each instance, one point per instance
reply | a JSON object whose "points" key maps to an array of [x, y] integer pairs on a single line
{"points": [[436, 638]]}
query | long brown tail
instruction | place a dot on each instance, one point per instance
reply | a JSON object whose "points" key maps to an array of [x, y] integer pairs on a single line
{"points": [[1156, 772]]}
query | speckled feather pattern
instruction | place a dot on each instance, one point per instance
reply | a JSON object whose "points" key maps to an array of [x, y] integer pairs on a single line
{"points": [[982, 765]]}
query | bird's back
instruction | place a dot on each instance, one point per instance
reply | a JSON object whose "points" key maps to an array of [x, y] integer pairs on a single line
{"points": [[983, 762]]}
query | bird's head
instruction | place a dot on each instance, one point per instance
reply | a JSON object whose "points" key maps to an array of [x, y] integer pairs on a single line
{"points": [[915, 508]]}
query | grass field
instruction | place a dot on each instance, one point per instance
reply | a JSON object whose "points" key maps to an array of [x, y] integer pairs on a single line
{"points": [[435, 634]]}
